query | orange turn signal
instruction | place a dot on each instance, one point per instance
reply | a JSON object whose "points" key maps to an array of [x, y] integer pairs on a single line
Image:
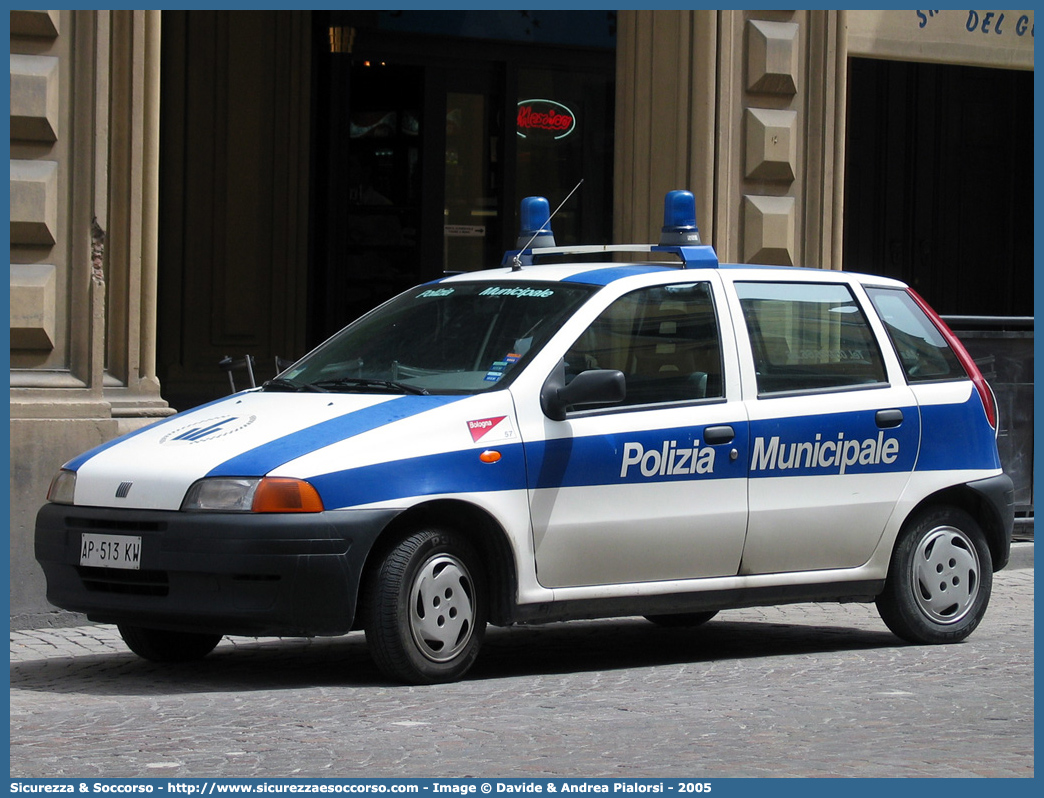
{"points": [[281, 495], [489, 456]]}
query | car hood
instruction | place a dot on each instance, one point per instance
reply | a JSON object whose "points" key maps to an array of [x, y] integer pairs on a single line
{"points": [[317, 437]]}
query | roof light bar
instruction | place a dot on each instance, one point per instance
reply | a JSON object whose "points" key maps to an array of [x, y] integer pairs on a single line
{"points": [[679, 220], [535, 223], [680, 236]]}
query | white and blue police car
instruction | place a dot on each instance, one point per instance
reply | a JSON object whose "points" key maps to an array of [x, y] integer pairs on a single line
{"points": [[652, 434]]}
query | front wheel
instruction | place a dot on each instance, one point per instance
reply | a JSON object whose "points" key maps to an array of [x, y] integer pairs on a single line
{"points": [[425, 614], [940, 578], [159, 645]]}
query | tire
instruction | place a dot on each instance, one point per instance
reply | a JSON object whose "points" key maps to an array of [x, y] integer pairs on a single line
{"points": [[940, 578], [689, 619], [425, 611], [159, 645]]}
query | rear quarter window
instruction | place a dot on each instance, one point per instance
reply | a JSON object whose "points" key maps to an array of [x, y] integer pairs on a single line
{"points": [[808, 337], [921, 348]]}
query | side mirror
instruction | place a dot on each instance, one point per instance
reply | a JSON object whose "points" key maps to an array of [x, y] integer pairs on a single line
{"points": [[594, 387]]}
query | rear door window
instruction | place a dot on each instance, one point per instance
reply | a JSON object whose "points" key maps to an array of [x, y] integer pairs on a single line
{"points": [[808, 337]]}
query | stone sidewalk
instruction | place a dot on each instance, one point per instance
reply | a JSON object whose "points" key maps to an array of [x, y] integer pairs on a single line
{"points": [[804, 690]]}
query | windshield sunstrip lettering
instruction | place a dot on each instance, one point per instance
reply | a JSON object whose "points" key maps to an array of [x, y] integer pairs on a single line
{"points": [[435, 292], [539, 293]]}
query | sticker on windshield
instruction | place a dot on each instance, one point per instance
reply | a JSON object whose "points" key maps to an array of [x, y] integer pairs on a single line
{"points": [[487, 430], [497, 369]]}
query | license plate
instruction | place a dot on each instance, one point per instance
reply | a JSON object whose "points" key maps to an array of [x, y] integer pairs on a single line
{"points": [[110, 551]]}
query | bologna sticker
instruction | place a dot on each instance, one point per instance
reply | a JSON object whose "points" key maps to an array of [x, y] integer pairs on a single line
{"points": [[496, 428]]}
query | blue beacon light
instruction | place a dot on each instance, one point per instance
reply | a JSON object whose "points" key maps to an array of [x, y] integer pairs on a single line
{"points": [[535, 227], [679, 220]]}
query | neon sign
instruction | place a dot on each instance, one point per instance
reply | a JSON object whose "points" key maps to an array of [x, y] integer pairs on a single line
{"points": [[543, 119]]}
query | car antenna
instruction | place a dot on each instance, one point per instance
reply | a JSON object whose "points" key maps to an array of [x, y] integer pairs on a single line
{"points": [[516, 262]]}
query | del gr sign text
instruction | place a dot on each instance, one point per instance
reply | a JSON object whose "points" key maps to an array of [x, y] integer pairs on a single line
{"points": [[998, 23]]}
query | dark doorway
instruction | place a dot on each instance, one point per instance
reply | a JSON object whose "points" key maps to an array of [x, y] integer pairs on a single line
{"points": [[373, 144], [234, 190], [939, 183], [419, 159]]}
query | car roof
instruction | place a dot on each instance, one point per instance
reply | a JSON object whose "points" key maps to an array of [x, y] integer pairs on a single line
{"points": [[680, 239], [604, 273]]}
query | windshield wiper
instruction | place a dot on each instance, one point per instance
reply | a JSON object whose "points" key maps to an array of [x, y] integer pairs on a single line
{"points": [[363, 384], [279, 384]]}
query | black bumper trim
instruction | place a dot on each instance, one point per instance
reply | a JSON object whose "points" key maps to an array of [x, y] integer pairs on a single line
{"points": [[292, 574], [998, 493], [701, 601]]}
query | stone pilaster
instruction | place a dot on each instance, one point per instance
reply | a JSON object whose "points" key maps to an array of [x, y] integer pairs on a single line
{"points": [[84, 190], [745, 109]]}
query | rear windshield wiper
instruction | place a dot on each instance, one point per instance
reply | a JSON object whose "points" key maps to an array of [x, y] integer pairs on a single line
{"points": [[365, 384]]}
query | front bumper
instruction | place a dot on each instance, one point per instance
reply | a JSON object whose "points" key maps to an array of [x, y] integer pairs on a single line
{"points": [[250, 574]]}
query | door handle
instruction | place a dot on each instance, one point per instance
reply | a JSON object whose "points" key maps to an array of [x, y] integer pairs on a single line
{"points": [[714, 436], [886, 419]]}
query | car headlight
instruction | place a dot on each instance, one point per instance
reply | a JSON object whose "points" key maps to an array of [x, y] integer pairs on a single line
{"points": [[63, 486], [252, 495]]}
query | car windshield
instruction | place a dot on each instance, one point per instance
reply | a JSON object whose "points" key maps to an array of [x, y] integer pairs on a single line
{"points": [[438, 338]]}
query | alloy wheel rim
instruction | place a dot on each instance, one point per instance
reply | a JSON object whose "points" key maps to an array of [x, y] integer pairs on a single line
{"points": [[946, 575], [442, 608]]}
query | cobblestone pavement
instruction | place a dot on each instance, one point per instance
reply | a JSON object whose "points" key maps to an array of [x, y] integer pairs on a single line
{"points": [[802, 690]]}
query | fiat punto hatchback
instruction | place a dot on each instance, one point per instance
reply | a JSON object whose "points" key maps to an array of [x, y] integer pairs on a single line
{"points": [[551, 440]]}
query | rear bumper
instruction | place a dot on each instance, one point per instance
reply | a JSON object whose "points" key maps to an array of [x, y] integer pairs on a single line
{"points": [[998, 496], [253, 574]]}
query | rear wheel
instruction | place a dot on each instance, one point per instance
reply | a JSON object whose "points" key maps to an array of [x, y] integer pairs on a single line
{"points": [[159, 645], [940, 578], [425, 613], [682, 618]]}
